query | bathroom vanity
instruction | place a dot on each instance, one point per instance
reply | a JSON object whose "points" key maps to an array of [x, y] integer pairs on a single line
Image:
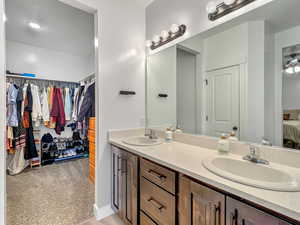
{"points": [[152, 185]]}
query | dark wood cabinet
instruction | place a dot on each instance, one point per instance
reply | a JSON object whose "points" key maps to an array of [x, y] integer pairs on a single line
{"points": [[125, 185], [239, 213], [166, 200], [199, 205]]}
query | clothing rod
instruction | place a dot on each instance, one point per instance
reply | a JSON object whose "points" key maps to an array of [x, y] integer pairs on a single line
{"points": [[38, 79]]}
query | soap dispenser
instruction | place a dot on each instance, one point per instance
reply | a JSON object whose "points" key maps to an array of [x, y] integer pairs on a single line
{"points": [[223, 144], [169, 134]]}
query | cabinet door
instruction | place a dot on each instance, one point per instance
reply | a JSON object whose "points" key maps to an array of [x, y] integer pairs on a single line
{"points": [[200, 205], [130, 189], [116, 179], [239, 213]]}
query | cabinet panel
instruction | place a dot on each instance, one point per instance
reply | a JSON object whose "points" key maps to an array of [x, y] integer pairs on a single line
{"points": [[199, 205], [145, 220], [157, 203], [159, 175], [239, 213], [125, 185], [130, 188]]}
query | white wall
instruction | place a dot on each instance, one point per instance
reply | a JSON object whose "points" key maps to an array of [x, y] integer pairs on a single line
{"points": [[256, 65], [291, 93], [47, 63], [121, 62], [269, 83], [161, 79], [283, 39], [2, 121]]}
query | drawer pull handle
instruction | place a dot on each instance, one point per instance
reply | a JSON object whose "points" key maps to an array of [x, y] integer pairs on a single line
{"points": [[217, 211], [156, 204], [234, 218], [161, 177]]}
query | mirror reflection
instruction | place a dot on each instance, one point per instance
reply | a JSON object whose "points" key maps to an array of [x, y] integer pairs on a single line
{"points": [[241, 79]]}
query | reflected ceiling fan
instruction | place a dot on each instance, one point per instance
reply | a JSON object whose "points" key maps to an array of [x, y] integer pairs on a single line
{"points": [[292, 65]]}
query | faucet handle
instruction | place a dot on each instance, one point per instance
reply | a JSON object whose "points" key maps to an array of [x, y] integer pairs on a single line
{"points": [[254, 150]]}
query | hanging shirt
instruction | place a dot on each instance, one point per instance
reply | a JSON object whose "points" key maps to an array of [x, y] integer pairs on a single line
{"points": [[68, 104], [36, 105], [45, 107], [12, 118]]}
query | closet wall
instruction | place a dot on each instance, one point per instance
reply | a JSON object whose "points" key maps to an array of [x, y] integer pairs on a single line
{"points": [[48, 63]]}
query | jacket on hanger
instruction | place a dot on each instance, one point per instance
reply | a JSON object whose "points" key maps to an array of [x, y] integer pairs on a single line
{"points": [[58, 112], [30, 150], [87, 108]]}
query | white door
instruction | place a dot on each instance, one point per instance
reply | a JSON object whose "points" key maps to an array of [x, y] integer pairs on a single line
{"points": [[224, 95]]}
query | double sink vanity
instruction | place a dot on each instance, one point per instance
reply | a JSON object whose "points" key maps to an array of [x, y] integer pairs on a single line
{"points": [[187, 182]]}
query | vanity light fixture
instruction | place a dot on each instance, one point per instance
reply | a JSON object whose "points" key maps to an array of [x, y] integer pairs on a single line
{"points": [[217, 11], [34, 25], [165, 37]]}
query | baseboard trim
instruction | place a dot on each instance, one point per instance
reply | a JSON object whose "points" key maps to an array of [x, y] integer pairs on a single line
{"points": [[101, 213]]}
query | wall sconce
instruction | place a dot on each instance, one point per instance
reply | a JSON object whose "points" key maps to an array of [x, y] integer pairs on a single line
{"points": [[216, 11], [165, 37]]}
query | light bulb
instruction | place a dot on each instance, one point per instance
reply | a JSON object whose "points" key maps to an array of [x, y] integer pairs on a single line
{"points": [[34, 25], [211, 7], [297, 69], [174, 28], [289, 70], [164, 34], [4, 18], [229, 2], [148, 43], [156, 39]]}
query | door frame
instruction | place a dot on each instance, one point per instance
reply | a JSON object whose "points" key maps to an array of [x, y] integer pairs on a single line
{"points": [[74, 3]]}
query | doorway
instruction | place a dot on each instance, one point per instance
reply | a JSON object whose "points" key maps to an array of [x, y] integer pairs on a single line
{"points": [[50, 48]]}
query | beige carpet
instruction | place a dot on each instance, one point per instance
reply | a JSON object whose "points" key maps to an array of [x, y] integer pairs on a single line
{"points": [[58, 194]]}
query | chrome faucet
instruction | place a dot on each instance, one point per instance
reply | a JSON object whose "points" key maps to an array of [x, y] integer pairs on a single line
{"points": [[150, 133], [266, 142], [254, 155]]}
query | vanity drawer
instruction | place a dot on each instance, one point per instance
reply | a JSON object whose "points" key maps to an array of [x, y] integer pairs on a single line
{"points": [[145, 220], [157, 203], [159, 175]]}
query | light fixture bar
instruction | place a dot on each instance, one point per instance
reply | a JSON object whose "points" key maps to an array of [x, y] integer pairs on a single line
{"points": [[222, 9], [174, 33]]}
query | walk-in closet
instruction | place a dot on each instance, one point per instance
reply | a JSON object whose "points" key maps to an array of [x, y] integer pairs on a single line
{"points": [[51, 113]]}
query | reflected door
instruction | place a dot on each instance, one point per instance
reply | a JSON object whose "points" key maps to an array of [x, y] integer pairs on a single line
{"points": [[224, 94]]}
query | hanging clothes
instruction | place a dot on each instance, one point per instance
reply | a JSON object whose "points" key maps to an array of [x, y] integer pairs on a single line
{"points": [[87, 108], [68, 104], [17, 162], [36, 106], [45, 107], [11, 115], [30, 150], [58, 112]]}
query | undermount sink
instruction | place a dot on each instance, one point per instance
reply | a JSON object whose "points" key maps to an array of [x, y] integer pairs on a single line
{"points": [[142, 141], [268, 177]]}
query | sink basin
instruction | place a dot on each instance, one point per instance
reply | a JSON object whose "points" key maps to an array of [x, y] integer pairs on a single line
{"points": [[142, 141], [268, 177]]}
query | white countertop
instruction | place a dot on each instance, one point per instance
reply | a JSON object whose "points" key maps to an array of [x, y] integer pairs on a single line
{"points": [[187, 159]]}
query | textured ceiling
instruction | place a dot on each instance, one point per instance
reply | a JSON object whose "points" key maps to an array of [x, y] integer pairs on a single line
{"points": [[63, 28]]}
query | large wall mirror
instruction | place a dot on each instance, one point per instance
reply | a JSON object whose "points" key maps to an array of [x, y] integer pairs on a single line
{"points": [[243, 75]]}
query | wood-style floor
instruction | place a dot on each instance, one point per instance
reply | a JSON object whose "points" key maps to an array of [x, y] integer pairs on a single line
{"points": [[111, 220]]}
